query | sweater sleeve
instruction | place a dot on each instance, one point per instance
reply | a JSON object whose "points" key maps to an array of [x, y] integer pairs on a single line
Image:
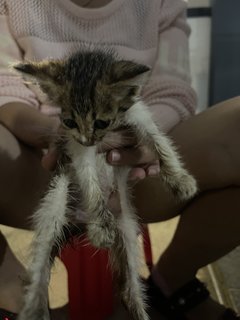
{"points": [[12, 88], [168, 92]]}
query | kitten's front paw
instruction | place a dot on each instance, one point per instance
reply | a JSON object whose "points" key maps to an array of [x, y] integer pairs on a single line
{"points": [[186, 187], [102, 231]]}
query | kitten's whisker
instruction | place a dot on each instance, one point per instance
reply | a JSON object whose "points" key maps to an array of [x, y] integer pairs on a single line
{"points": [[110, 145], [93, 223], [96, 252], [85, 243]]}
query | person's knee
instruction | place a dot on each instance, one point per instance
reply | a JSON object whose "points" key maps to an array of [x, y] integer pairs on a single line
{"points": [[22, 180], [234, 102], [231, 110], [154, 202]]}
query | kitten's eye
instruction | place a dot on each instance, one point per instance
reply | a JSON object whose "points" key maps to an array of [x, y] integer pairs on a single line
{"points": [[71, 124], [101, 124], [123, 109]]}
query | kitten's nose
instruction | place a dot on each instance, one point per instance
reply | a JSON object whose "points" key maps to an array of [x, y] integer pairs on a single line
{"points": [[87, 141]]}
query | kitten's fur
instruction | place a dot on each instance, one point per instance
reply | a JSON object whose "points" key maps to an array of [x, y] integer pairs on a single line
{"points": [[97, 93]]}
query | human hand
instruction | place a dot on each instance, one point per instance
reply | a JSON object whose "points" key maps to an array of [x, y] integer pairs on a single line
{"points": [[30, 126], [121, 143], [123, 149]]}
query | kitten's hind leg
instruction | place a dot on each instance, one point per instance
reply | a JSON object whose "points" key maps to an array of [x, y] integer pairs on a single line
{"points": [[101, 225], [174, 175], [124, 254], [49, 221]]}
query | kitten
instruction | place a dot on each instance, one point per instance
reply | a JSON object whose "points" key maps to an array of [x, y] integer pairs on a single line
{"points": [[97, 93]]}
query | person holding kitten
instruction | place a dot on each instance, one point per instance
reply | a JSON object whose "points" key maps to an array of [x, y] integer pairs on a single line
{"points": [[153, 33]]}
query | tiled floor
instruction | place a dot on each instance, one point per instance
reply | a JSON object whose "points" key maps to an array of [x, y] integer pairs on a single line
{"points": [[228, 274]]}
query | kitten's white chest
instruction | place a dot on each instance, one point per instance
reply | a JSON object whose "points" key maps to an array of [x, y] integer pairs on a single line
{"points": [[87, 161]]}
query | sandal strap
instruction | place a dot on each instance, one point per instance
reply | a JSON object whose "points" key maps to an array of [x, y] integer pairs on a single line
{"points": [[7, 315], [183, 300]]}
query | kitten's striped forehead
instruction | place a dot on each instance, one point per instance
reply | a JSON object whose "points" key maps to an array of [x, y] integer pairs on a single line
{"points": [[84, 70]]}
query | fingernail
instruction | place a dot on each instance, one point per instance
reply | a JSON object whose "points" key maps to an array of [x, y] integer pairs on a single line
{"points": [[136, 178], [153, 172], [115, 156]]}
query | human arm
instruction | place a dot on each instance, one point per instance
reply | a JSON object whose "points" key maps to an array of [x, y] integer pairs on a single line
{"points": [[28, 125], [12, 87], [168, 93], [18, 104]]}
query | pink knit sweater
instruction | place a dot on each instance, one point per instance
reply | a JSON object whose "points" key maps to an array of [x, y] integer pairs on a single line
{"points": [[152, 32]]}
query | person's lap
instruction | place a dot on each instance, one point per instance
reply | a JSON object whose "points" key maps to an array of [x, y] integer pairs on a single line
{"points": [[22, 180], [209, 146], [207, 142]]}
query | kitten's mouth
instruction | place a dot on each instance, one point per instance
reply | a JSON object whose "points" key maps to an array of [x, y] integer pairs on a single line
{"points": [[85, 143], [88, 144]]}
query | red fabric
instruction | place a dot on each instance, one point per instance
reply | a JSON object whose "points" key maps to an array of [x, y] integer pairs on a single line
{"points": [[90, 284], [89, 281]]}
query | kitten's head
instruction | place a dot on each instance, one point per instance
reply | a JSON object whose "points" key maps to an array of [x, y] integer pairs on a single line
{"points": [[92, 88]]}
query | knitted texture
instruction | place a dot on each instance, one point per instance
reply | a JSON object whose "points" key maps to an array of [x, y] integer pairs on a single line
{"points": [[152, 32]]}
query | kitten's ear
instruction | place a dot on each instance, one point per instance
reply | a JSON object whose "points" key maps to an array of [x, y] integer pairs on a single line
{"points": [[42, 72], [127, 79], [47, 74], [128, 71], [25, 68]]}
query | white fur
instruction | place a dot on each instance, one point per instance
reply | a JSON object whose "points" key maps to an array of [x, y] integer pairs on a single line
{"points": [[175, 177], [104, 229], [49, 220], [101, 228], [133, 295]]}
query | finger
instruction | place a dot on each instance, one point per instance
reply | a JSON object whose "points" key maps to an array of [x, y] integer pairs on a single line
{"points": [[50, 133], [153, 170], [131, 156], [49, 160], [136, 175]]}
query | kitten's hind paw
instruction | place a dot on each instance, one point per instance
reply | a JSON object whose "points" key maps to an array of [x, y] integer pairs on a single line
{"points": [[102, 231], [32, 314]]}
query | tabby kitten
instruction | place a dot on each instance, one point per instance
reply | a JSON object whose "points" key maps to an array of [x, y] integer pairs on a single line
{"points": [[97, 93]]}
